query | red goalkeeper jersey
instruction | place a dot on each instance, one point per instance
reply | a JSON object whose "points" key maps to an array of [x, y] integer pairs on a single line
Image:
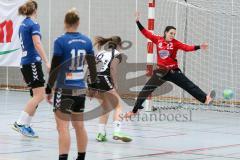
{"points": [[167, 51]]}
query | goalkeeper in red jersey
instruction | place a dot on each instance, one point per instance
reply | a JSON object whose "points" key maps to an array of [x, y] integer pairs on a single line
{"points": [[167, 67]]}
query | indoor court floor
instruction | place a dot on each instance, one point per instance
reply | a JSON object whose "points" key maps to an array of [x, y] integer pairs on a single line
{"points": [[207, 135]]}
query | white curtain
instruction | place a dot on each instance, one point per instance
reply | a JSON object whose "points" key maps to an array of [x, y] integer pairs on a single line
{"points": [[10, 49]]}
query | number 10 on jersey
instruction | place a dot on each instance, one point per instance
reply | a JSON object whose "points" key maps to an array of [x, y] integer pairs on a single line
{"points": [[77, 60]]}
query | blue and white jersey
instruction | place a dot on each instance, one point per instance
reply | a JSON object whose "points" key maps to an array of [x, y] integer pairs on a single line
{"points": [[28, 29], [72, 48]]}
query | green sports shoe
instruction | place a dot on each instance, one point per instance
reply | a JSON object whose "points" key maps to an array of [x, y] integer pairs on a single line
{"points": [[121, 136], [101, 137]]}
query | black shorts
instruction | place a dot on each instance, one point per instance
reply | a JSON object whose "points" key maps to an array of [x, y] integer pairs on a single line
{"points": [[33, 75], [67, 103], [104, 83]]}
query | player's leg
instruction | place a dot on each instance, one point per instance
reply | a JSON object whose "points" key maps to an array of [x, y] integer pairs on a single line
{"points": [[23, 123], [31, 94], [78, 124], [82, 139], [38, 96], [33, 76], [104, 85], [62, 105], [64, 140], [103, 119], [154, 82], [113, 99], [177, 77]]}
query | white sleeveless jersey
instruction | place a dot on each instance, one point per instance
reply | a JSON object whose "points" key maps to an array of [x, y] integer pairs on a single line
{"points": [[104, 59]]}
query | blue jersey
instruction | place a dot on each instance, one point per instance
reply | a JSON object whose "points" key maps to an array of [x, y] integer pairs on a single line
{"points": [[28, 29], [72, 48]]}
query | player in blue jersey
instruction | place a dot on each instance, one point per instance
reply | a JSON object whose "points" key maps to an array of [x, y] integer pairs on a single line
{"points": [[70, 51], [31, 65]]}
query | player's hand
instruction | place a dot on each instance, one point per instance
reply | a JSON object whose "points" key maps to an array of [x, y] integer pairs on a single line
{"points": [[204, 46], [49, 98], [137, 15]]}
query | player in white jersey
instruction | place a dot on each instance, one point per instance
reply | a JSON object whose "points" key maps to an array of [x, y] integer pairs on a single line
{"points": [[108, 58]]}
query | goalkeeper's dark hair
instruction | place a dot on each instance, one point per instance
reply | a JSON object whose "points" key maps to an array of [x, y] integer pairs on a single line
{"points": [[167, 29], [113, 42]]}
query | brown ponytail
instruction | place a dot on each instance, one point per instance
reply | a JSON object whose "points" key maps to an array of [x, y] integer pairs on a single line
{"points": [[112, 42], [28, 8]]}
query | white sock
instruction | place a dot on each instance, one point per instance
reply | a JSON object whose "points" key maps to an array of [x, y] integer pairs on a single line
{"points": [[117, 126], [24, 119], [102, 128]]}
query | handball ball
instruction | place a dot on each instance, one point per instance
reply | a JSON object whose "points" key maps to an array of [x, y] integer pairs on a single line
{"points": [[228, 94]]}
